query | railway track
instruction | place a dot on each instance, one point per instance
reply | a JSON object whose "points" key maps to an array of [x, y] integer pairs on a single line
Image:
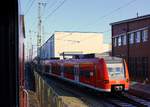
{"points": [[137, 99], [147, 98], [76, 92], [94, 99], [124, 100], [119, 103]]}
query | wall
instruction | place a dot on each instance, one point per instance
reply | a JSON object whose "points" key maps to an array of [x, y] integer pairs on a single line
{"points": [[136, 51], [79, 42]]}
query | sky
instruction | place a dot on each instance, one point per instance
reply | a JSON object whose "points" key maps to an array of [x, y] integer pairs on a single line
{"points": [[79, 15]]}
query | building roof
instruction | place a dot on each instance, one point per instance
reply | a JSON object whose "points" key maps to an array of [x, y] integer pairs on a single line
{"points": [[131, 20], [77, 32]]}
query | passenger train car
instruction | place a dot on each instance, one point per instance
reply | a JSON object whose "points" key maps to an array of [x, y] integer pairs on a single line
{"points": [[104, 73]]}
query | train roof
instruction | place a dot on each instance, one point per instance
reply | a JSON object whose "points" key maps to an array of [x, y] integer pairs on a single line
{"points": [[111, 59], [107, 59]]}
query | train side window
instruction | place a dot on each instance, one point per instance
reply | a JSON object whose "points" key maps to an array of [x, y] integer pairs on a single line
{"points": [[62, 68], [58, 68], [87, 74], [72, 70], [55, 68], [47, 68], [81, 73], [69, 69], [87, 71]]}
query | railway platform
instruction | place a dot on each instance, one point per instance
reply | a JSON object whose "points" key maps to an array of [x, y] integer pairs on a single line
{"points": [[140, 89]]}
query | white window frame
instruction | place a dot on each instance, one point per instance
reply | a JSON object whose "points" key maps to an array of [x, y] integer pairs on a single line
{"points": [[131, 36], [138, 37], [115, 41], [119, 41], [124, 41], [145, 35]]}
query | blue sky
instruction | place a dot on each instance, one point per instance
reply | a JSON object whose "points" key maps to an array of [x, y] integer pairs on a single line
{"points": [[81, 15]]}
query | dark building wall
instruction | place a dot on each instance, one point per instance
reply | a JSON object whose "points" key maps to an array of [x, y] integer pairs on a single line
{"points": [[137, 54], [129, 26], [118, 29]]}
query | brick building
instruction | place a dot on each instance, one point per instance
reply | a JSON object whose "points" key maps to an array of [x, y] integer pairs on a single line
{"points": [[131, 40]]}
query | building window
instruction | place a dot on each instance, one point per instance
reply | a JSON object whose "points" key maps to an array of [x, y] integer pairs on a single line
{"points": [[115, 42], [131, 36], [119, 41], [124, 39], [144, 35], [137, 37]]}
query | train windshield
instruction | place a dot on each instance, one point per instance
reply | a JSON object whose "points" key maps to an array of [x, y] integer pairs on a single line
{"points": [[116, 70]]}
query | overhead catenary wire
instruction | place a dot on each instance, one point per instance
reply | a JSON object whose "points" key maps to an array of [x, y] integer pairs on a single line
{"points": [[32, 2], [28, 2], [111, 12], [55, 10], [51, 5], [51, 12], [108, 15], [97, 21], [34, 22]]}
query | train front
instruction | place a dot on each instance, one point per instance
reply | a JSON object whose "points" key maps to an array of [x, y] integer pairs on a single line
{"points": [[116, 74]]}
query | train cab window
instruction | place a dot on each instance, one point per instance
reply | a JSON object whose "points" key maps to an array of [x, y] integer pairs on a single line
{"points": [[53, 68], [116, 70]]}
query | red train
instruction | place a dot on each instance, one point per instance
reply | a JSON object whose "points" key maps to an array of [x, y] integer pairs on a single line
{"points": [[104, 74]]}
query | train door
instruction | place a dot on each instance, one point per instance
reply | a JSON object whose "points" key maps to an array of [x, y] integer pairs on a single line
{"points": [[62, 70], [50, 69], [76, 73], [92, 74], [87, 73]]}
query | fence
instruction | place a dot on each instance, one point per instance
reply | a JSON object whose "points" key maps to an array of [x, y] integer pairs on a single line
{"points": [[23, 98], [46, 95], [138, 68]]}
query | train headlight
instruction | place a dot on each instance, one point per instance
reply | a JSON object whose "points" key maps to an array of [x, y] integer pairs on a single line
{"points": [[106, 81]]}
